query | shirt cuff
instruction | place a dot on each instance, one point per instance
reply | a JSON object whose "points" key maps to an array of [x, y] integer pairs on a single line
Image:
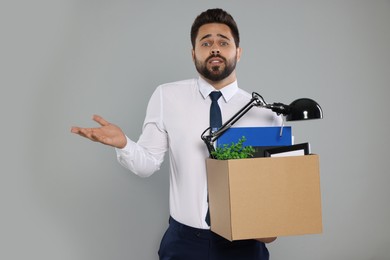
{"points": [[127, 149]]}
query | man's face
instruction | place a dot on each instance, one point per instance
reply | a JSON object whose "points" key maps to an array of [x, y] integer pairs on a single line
{"points": [[215, 54]]}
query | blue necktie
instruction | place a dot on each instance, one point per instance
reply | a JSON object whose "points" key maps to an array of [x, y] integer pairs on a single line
{"points": [[215, 111], [215, 124]]}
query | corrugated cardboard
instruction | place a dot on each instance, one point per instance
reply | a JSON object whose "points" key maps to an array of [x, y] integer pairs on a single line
{"points": [[264, 197]]}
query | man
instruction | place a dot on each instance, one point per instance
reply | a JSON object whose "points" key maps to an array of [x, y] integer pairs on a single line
{"points": [[176, 116]]}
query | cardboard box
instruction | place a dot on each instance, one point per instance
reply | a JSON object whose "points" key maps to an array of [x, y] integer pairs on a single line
{"points": [[264, 197]]}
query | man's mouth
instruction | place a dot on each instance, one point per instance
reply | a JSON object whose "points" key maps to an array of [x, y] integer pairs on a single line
{"points": [[215, 60]]}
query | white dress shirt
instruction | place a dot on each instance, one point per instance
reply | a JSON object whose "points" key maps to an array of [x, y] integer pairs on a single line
{"points": [[176, 116]]}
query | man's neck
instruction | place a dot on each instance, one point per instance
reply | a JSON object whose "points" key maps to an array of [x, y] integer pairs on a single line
{"points": [[222, 83]]}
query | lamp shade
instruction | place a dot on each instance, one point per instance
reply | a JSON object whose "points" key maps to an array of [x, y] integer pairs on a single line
{"points": [[304, 109]]}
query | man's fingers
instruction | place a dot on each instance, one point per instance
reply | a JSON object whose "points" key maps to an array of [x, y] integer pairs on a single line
{"points": [[86, 132], [75, 129], [100, 120], [98, 134], [91, 134], [80, 131]]}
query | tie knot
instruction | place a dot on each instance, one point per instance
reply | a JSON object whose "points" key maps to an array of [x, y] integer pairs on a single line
{"points": [[215, 95]]}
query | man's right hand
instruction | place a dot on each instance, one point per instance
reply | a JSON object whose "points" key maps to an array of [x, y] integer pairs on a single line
{"points": [[107, 133]]}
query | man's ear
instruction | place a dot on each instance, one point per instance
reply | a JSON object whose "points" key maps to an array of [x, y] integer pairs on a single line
{"points": [[193, 54], [239, 52]]}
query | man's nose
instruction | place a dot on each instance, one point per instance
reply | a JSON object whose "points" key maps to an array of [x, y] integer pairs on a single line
{"points": [[214, 51]]}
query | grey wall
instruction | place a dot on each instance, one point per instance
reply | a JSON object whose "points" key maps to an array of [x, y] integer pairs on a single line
{"points": [[61, 61]]}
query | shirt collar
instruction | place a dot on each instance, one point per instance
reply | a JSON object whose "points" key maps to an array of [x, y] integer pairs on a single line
{"points": [[227, 92]]}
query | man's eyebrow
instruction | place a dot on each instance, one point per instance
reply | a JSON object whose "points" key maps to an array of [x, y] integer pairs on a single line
{"points": [[223, 36], [219, 35], [204, 37]]}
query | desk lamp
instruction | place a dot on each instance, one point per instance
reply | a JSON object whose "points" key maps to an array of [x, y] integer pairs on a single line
{"points": [[300, 109]]}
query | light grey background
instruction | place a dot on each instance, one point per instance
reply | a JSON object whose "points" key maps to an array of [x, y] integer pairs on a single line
{"points": [[61, 61]]}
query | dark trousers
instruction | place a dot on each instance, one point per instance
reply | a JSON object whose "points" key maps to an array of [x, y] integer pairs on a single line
{"points": [[181, 242]]}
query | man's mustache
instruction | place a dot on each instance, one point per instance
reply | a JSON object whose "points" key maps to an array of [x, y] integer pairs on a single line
{"points": [[215, 56]]}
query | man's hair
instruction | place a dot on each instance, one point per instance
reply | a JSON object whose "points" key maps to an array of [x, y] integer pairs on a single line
{"points": [[216, 15]]}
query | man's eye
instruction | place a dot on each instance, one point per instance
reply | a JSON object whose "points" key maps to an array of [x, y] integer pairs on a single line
{"points": [[224, 43], [206, 44]]}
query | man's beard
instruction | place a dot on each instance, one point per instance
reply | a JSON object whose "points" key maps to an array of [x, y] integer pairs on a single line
{"points": [[216, 74]]}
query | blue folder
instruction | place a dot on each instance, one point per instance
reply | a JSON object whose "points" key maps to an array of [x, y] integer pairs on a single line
{"points": [[258, 136]]}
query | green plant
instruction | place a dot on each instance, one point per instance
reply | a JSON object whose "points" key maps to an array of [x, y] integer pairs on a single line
{"points": [[233, 151]]}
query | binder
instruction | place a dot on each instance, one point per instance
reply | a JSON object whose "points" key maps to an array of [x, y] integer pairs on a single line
{"points": [[260, 138]]}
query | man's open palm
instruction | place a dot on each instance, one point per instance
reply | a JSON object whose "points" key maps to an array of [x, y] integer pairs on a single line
{"points": [[107, 133]]}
